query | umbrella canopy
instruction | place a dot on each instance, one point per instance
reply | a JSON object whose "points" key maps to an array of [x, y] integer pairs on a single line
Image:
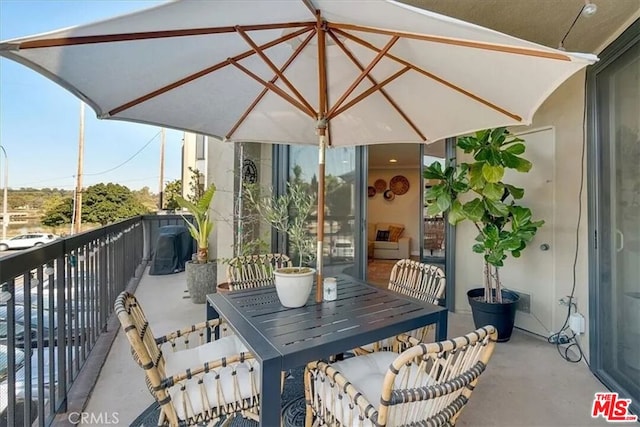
{"points": [[352, 72]]}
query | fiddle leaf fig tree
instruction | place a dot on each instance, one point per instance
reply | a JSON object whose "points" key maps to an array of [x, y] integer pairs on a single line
{"points": [[475, 191]]}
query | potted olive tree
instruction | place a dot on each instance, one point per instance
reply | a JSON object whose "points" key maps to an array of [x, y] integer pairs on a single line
{"points": [[475, 191], [289, 213], [201, 271]]}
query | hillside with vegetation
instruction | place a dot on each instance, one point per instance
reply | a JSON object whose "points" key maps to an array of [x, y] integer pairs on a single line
{"points": [[51, 209]]}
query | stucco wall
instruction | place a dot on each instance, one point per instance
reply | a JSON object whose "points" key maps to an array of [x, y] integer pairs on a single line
{"points": [[563, 112], [403, 209], [188, 160], [220, 170]]}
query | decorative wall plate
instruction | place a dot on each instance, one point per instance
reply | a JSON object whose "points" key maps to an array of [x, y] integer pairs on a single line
{"points": [[380, 185], [389, 195], [371, 191], [399, 185], [249, 171]]}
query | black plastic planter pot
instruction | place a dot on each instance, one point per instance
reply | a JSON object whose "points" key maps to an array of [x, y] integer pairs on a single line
{"points": [[502, 316]]}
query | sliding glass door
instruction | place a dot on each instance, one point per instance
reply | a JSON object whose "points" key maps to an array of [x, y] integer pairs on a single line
{"points": [[616, 276], [433, 235], [340, 201]]}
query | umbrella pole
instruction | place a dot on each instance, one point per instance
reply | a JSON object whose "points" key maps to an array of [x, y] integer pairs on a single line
{"points": [[320, 225]]}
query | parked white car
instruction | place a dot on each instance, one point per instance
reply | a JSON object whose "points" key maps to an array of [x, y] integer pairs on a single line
{"points": [[24, 241]]}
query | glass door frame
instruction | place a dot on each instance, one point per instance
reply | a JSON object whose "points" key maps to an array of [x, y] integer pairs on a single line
{"points": [[281, 164], [361, 176], [596, 170], [449, 230]]}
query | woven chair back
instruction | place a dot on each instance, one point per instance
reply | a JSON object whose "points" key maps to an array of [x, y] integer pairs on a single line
{"points": [[253, 271], [418, 280], [144, 349], [429, 384]]}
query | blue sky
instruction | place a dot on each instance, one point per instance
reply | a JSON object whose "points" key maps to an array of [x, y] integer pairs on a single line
{"points": [[39, 121]]}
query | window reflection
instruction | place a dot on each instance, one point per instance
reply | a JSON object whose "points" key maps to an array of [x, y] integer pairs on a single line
{"points": [[339, 220]]}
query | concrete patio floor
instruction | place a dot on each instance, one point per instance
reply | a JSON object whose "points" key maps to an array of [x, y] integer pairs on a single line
{"points": [[526, 383]]}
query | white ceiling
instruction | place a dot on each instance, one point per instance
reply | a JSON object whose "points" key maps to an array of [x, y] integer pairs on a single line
{"points": [[542, 21], [407, 155]]}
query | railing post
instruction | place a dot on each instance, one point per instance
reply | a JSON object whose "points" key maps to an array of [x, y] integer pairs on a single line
{"points": [[60, 346], [11, 356], [78, 278], [146, 250]]}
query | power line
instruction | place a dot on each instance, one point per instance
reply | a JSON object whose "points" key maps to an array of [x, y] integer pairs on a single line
{"points": [[126, 161], [97, 173]]}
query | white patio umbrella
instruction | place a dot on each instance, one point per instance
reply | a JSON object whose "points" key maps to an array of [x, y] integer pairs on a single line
{"points": [[317, 72]]}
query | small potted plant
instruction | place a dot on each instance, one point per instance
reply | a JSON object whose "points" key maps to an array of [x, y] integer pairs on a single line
{"points": [[289, 214], [201, 271], [475, 191]]}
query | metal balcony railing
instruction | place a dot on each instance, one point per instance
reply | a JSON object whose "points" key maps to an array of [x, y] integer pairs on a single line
{"points": [[56, 301]]}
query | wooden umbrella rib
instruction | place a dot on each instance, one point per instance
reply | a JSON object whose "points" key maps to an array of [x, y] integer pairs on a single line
{"points": [[310, 6], [432, 76], [384, 93], [204, 72], [364, 73], [273, 88], [322, 72], [251, 107], [149, 35], [368, 92], [455, 42], [273, 67]]}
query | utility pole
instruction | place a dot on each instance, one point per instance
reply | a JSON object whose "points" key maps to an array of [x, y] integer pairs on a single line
{"points": [[77, 212], [161, 189]]}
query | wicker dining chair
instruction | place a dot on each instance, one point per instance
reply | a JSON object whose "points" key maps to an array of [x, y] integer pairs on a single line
{"points": [[426, 385], [415, 279], [425, 282], [194, 384], [253, 271]]}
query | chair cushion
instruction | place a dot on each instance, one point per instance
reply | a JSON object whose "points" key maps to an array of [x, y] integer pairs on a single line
{"points": [[386, 225], [386, 245], [385, 343], [395, 233], [246, 372], [367, 373], [382, 236]]}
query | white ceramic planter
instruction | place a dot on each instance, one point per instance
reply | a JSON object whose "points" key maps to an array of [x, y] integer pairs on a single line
{"points": [[294, 288]]}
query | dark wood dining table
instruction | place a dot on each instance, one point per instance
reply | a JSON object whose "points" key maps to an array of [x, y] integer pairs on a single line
{"points": [[285, 338]]}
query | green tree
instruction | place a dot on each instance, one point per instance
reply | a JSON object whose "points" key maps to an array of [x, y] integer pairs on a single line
{"points": [[58, 211], [146, 198], [32, 198], [106, 203], [196, 185], [171, 190], [338, 198]]}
